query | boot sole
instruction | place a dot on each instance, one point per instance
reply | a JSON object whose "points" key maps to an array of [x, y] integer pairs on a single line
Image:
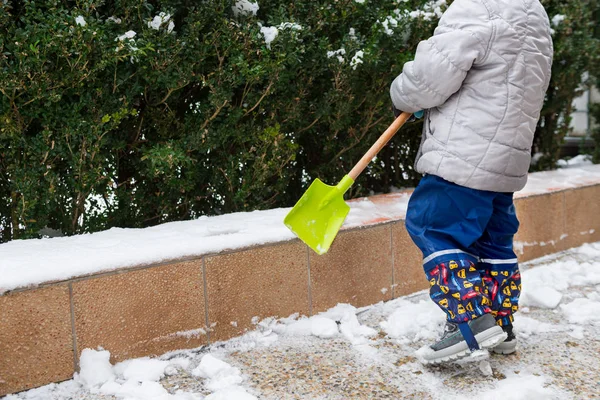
{"points": [[487, 339], [506, 347]]}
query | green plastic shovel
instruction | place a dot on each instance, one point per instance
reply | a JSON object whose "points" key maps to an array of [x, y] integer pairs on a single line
{"points": [[321, 211]]}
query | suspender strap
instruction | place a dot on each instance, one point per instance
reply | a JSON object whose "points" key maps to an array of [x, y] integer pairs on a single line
{"points": [[467, 333]]}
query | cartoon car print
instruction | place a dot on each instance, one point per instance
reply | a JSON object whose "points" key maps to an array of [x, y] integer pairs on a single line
{"points": [[444, 272], [470, 295]]}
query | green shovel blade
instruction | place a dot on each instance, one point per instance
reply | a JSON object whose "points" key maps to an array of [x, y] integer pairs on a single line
{"points": [[319, 214]]}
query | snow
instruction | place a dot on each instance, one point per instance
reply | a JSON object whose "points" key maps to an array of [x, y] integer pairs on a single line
{"points": [[357, 59], [340, 321], [561, 179], [577, 161], [389, 21], [158, 20], [529, 386], [527, 326], [245, 7], [79, 20], [582, 311], [220, 375], [126, 35], [114, 19], [95, 368], [142, 369], [413, 322], [542, 296], [138, 379], [271, 32], [557, 19], [431, 10], [28, 263], [339, 54]]}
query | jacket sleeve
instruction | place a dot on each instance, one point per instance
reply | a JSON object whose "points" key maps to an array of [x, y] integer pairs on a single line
{"points": [[441, 63]]}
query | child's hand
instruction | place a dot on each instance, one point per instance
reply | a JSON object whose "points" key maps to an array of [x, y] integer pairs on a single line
{"points": [[417, 115]]}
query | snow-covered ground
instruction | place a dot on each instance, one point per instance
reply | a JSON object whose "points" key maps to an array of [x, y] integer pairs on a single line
{"points": [[369, 353], [27, 263]]}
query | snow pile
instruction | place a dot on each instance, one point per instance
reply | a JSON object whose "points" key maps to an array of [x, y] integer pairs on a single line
{"points": [[222, 379], [142, 369], [132, 379], [339, 321], [411, 322], [539, 295], [138, 379], [524, 386], [542, 285], [582, 311], [527, 327], [95, 368]]}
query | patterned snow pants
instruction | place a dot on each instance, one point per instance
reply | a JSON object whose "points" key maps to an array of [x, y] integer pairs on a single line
{"points": [[466, 237]]}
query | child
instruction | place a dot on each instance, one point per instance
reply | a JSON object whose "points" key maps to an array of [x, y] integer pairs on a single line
{"points": [[481, 79]]}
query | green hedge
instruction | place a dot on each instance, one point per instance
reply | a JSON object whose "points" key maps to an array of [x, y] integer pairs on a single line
{"points": [[196, 114]]}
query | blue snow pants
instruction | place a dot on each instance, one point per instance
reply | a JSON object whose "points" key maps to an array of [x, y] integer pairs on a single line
{"points": [[466, 236]]}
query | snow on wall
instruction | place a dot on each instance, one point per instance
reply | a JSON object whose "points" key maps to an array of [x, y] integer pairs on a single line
{"points": [[27, 263]]}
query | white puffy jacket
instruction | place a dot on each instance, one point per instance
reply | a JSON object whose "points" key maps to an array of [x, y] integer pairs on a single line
{"points": [[482, 77]]}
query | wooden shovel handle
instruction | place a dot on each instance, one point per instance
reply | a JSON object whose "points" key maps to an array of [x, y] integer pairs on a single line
{"points": [[379, 144]]}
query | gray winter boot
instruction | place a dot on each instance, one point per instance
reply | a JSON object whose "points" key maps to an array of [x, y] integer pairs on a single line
{"points": [[453, 346], [509, 345]]}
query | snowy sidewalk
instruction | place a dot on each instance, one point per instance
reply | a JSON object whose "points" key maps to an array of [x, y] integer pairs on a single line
{"points": [[347, 353]]}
